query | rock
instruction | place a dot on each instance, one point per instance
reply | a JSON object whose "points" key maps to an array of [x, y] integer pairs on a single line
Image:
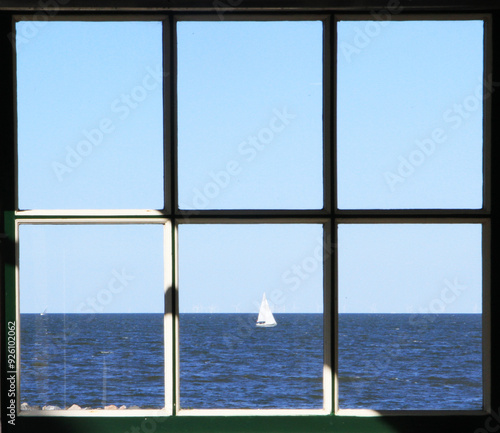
{"points": [[110, 407], [25, 406], [122, 407], [134, 407], [50, 407], [74, 407]]}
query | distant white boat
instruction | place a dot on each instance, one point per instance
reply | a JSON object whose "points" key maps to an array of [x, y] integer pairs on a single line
{"points": [[44, 312], [266, 318]]}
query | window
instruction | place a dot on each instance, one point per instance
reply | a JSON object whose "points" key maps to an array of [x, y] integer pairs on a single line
{"points": [[225, 361], [409, 110], [97, 136], [419, 295], [92, 314], [176, 198]]}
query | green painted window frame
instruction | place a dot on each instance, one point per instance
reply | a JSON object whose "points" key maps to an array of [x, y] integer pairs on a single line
{"points": [[397, 422]]}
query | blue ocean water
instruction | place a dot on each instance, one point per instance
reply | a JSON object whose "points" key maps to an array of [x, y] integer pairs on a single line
{"points": [[386, 361], [410, 361], [227, 362], [92, 360]]}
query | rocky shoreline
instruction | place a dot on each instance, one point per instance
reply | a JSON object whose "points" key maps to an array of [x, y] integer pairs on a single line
{"points": [[27, 407]]}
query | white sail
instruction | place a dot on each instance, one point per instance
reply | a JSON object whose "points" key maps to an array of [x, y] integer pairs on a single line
{"points": [[266, 318]]}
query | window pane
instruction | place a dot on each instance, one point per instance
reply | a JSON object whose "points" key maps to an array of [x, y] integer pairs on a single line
{"points": [[226, 360], [250, 111], [92, 304], [90, 116], [410, 333], [410, 114]]}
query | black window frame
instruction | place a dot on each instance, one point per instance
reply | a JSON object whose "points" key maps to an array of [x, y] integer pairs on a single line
{"points": [[397, 422]]}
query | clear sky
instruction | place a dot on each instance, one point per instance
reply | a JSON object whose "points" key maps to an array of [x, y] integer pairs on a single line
{"points": [[257, 104], [226, 268], [250, 135], [409, 114], [90, 116], [398, 268], [115, 268]]}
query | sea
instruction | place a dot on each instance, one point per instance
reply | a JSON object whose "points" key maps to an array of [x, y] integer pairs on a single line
{"points": [[385, 361]]}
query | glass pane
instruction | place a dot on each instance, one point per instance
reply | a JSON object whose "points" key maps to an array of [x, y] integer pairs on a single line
{"points": [[227, 361], [92, 304], [410, 332], [90, 115], [410, 114], [250, 115]]}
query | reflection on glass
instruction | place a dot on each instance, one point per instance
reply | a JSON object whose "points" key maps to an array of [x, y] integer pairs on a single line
{"points": [[410, 332], [410, 114], [91, 302], [90, 115], [226, 360], [250, 115]]}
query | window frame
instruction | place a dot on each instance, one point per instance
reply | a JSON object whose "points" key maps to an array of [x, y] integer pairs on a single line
{"points": [[327, 381], [167, 314], [384, 422], [487, 72], [167, 127], [485, 315], [188, 214]]}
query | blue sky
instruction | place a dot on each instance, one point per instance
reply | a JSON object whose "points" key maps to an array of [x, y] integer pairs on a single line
{"points": [[226, 268], [398, 268], [409, 114], [90, 123], [256, 103], [91, 268], [250, 135]]}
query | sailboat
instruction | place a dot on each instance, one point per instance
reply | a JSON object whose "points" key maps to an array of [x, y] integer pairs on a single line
{"points": [[266, 318]]}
